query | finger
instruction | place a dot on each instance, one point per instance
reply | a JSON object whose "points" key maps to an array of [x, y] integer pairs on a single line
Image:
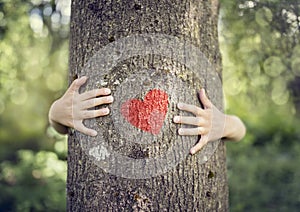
{"points": [[192, 131], [204, 100], [88, 114], [197, 111], [202, 142], [81, 128], [97, 101], [189, 120], [94, 93], [76, 84]]}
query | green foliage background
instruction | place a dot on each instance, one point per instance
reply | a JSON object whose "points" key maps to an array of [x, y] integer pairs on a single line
{"points": [[33, 69], [261, 69], [261, 72]]}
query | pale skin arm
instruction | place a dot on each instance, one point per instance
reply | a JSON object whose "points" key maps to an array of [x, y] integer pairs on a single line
{"points": [[72, 108], [209, 122]]}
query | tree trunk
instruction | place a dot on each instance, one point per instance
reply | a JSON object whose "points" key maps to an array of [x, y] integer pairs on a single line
{"points": [[151, 54]]}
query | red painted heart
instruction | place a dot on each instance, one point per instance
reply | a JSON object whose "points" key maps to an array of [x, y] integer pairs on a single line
{"points": [[147, 115]]}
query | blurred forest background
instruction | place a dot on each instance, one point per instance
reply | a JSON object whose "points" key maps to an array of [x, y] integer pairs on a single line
{"points": [[260, 45]]}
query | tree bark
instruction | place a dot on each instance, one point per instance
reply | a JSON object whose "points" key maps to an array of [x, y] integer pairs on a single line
{"points": [[156, 52]]}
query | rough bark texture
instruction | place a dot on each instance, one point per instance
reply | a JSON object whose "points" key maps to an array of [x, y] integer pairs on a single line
{"points": [[191, 185]]}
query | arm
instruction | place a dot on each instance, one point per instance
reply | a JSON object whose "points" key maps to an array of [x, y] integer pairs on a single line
{"points": [[72, 108], [235, 129], [209, 122]]}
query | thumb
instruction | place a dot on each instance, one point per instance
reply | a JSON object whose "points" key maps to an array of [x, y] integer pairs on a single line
{"points": [[201, 143], [204, 100], [76, 84], [87, 131]]}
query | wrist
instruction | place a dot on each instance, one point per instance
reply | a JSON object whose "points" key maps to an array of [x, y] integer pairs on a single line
{"points": [[54, 121], [234, 128], [51, 114]]}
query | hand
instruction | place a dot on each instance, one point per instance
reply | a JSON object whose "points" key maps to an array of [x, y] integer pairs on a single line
{"points": [[209, 122], [72, 108]]}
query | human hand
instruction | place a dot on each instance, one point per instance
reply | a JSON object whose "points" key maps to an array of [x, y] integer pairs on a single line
{"points": [[209, 122], [72, 108]]}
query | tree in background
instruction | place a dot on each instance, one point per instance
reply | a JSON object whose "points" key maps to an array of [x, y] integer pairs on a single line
{"points": [[98, 26]]}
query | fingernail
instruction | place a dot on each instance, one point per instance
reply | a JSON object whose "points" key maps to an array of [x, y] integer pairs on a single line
{"points": [[94, 133], [110, 98], [82, 79], [192, 151], [176, 119], [180, 131], [179, 105], [107, 91], [105, 110]]}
